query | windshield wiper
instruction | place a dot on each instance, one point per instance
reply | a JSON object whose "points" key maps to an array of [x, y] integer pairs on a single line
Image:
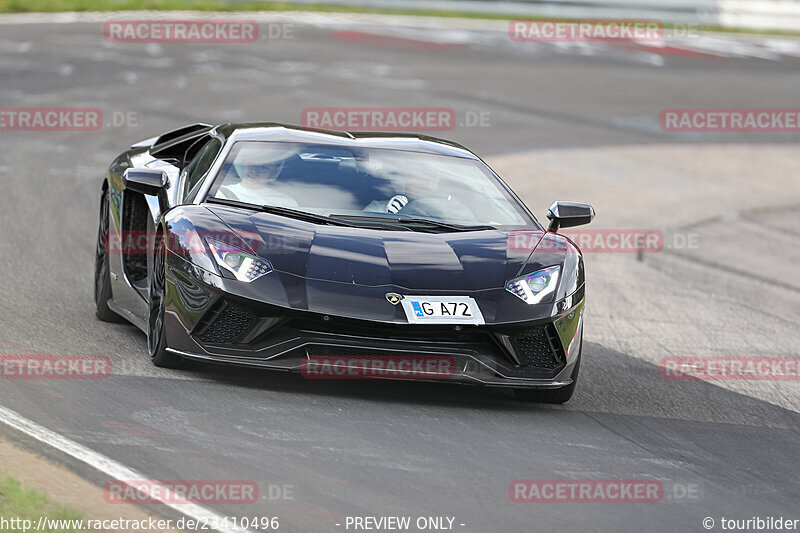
{"points": [[406, 222], [444, 225], [301, 215], [284, 212]]}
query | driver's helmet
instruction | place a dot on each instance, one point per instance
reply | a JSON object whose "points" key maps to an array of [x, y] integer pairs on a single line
{"points": [[262, 162]]}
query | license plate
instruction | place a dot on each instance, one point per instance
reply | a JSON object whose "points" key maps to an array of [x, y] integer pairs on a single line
{"points": [[442, 310]]}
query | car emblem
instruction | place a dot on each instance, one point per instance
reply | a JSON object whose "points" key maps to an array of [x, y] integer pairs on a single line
{"points": [[394, 298]]}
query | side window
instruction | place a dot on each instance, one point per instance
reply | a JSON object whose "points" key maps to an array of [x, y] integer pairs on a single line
{"points": [[200, 164]]}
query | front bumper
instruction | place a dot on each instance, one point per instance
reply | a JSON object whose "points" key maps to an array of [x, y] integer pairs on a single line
{"points": [[207, 321]]}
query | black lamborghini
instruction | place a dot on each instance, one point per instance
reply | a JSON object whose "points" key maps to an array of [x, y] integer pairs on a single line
{"points": [[356, 254]]}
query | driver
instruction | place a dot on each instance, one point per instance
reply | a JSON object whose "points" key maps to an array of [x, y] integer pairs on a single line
{"points": [[410, 181], [259, 168], [416, 187]]}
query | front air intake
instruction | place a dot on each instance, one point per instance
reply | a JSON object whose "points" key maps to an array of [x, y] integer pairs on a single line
{"points": [[537, 347], [225, 324]]}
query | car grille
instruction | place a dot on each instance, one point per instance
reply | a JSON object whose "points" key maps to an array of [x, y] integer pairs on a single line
{"points": [[537, 347], [531, 350], [323, 350], [226, 324], [328, 350]]}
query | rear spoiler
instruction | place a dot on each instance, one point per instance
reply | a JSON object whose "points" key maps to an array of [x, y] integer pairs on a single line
{"points": [[174, 144], [180, 132], [172, 135]]}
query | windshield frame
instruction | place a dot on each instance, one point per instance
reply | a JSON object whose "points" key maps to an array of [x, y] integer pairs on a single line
{"points": [[214, 177]]}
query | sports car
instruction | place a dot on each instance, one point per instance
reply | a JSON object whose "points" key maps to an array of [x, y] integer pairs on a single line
{"points": [[340, 255]]}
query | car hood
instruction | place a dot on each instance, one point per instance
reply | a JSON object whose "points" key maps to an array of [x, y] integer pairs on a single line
{"points": [[455, 261]]}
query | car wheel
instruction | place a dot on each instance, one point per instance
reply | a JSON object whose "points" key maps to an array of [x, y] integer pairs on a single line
{"points": [[156, 339], [102, 272], [561, 395]]}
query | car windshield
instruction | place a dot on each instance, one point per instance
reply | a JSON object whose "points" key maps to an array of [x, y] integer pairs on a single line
{"points": [[367, 182]]}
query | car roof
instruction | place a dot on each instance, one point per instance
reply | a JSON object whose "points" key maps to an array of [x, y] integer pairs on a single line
{"points": [[272, 131]]}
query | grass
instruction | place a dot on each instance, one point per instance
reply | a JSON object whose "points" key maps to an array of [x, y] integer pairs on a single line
{"points": [[50, 6], [26, 504], [54, 6]]}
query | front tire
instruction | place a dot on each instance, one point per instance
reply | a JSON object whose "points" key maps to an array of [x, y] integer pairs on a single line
{"points": [[156, 338], [553, 396]]}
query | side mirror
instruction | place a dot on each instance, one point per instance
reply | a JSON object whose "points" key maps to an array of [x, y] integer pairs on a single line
{"points": [[149, 181], [569, 214]]}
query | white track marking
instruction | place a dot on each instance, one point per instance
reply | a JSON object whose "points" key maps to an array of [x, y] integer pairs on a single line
{"points": [[108, 466]]}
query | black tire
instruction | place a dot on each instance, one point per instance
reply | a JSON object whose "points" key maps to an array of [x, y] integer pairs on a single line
{"points": [[561, 395], [102, 272], [156, 339]]}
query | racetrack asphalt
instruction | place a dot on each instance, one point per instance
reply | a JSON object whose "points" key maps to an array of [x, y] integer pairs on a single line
{"points": [[572, 123]]}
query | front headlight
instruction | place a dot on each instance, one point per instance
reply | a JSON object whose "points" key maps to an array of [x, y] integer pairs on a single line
{"points": [[244, 266], [534, 288]]}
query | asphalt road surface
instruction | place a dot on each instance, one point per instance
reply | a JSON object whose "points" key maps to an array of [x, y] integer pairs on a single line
{"points": [[558, 122]]}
